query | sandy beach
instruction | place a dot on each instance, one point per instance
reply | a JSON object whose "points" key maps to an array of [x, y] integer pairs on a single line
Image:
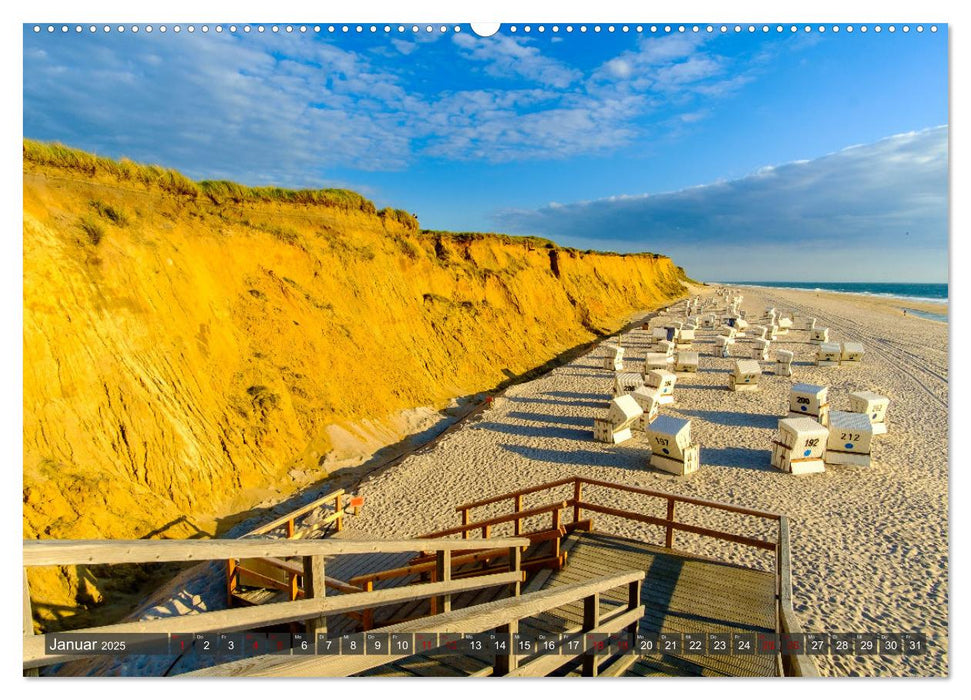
{"points": [[869, 545]]}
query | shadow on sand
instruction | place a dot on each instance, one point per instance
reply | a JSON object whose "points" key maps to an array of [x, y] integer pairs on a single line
{"points": [[736, 418], [737, 457], [555, 402], [551, 418], [620, 457], [531, 431], [577, 395]]}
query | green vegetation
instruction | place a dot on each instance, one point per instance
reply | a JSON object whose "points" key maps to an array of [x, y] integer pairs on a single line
{"points": [[58, 155], [401, 216], [115, 215], [220, 191], [410, 250], [91, 227]]}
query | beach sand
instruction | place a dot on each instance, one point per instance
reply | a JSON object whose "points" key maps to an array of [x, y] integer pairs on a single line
{"points": [[869, 545]]}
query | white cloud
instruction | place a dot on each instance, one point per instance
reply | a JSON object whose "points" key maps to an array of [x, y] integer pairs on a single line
{"points": [[869, 201], [506, 56], [289, 108]]}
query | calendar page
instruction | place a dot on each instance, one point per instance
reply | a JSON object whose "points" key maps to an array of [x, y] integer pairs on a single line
{"points": [[524, 349]]}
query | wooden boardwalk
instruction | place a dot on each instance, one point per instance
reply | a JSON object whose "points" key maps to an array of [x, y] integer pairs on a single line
{"points": [[681, 593]]}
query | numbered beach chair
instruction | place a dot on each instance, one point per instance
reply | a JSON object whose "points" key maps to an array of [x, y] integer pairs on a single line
{"points": [[828, 355], [666, 346], [745, 376], [663, 381], [616, 426], [800, 446], [851, 353], [671, 448], [872, 405], [809, 401], [627, 382], [850, 439]]}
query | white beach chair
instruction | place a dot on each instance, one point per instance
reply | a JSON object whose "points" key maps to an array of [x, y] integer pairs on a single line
{"points": [[819, 335], [760, 349], [809, 400], [872, 405], [627, 382], [800, 447], [686, 361], [783, 363], [671, 448], [650, 402], [663, 381], [615, 358], [745, 376], [828, 355], [850, 439], [851, 353], [621, 415], [723, 345]]}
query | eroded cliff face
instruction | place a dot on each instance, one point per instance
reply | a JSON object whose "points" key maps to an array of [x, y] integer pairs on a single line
{"points": [[181, 355]]}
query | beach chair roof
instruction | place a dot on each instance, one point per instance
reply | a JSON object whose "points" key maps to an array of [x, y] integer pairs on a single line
{"points": [[803, 426], [747, 367], [669, 425], [844, 420]]}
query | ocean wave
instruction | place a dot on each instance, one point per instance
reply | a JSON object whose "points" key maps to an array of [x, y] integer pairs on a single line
{"points": [[885, 295]]}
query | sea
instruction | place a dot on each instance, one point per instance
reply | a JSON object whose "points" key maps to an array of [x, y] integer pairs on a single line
{"points": [[905, 291]]}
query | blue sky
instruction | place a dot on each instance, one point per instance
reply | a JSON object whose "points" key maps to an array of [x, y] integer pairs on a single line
{"points": [[777, 156]]}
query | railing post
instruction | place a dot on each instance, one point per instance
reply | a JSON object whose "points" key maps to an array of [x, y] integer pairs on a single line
{"points": [[293, 588], [28, 621], [518, 526], [633, 602], [591, 620], [577, 493], [515, 564], [443, 572], [290, 529], [486, 529], [465, 521], [314, 586], [669, 534], [367, 618], [231, 575], [507, 662], [339, 508]]}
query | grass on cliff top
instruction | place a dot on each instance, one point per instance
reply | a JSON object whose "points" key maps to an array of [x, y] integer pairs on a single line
{"points": [[57, 155], [536, 241]]}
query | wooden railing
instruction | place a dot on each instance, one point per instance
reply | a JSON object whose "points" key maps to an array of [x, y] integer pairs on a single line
{"points": [[793, 664], [313, 610], [279, 574], [503, 616]]}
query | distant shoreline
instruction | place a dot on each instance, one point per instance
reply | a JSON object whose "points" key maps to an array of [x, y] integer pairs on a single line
{"points": [[927, 308], [863, 292]]}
